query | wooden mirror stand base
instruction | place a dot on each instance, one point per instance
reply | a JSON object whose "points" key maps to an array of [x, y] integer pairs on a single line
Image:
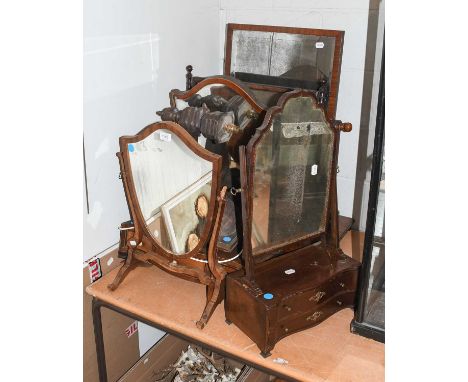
{"points": [[291, 293], [210, 273]]}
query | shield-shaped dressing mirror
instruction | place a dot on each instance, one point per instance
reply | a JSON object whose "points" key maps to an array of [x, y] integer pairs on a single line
{"points": [[173, 184], [291, 162]]}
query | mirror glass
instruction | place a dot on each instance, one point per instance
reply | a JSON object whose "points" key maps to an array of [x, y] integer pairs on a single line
{"points": [[282, 59], [218, 97], [216, 114], [208, 90], [291, 176], [173, 187]]}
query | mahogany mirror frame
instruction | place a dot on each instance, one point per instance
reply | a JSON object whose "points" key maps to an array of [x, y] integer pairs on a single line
{"points": [[141, 246], [329, 234], [337, 55], [132, 199], [238, 87], [232, 83]]}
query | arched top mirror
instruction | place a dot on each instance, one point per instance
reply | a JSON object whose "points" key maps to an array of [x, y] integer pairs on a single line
{"points": [[221, 109], [216, 92], [290, 162], [172, 186]]}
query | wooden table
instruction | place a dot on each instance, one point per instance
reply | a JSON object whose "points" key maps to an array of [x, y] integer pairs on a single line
{"points": [[327, 352]]}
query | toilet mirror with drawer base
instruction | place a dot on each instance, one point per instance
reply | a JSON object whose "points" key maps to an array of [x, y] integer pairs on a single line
{"points": [[295, 275]]}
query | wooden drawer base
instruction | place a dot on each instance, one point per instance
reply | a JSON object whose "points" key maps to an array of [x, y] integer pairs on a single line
{"points": [[269, 311]]}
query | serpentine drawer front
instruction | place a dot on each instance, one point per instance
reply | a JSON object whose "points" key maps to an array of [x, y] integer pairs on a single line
{"points": [[316, 315], [300, 303]]}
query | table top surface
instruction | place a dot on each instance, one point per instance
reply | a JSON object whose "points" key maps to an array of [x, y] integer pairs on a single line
{"points": [[326, 352]]}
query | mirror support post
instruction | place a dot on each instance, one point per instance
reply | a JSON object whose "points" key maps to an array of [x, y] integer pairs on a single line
{"points": [[129, 260], [246, 227], [122, 271], [214, 290], [334, 240], [188, 77]]}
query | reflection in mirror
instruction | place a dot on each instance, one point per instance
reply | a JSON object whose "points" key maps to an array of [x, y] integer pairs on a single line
{"points": [[204, 95], [214, 111], [282, 59], [291, 176], [173, 187]]}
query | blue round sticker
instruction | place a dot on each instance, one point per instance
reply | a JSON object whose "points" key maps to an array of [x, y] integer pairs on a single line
{"points": [[227, 239], [267, 296], [131, 148]]}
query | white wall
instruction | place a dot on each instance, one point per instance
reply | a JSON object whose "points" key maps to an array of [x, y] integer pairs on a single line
{"points": [[350, 16], [147, 337], [135, 52]]}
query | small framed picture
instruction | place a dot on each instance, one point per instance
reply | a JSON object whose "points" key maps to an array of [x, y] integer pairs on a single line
{"points": [[185, 215]]}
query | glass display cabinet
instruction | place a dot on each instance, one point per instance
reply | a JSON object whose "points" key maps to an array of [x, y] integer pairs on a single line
{"points": [[369, 319]]}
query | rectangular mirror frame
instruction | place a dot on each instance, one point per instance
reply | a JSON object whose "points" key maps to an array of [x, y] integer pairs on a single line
{"points": [[335, 78]]}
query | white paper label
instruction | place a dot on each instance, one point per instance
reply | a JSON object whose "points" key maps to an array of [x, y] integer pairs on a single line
{"points": [[313, 170], [290, 271], [302, 129], [166, 137], [281, 361], [319, 45]]}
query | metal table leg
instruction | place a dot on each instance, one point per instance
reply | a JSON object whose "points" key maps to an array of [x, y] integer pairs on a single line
{"points": [[99, 339]]}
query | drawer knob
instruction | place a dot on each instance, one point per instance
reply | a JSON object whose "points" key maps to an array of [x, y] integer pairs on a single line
{"points": [[339, 302], [317, 296], [314, 317], [286, 330], [288, 308], [342, 285]]}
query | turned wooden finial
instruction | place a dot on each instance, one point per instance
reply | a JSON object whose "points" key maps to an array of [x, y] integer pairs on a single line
{"points": [[345, 127], [188, 76]]}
